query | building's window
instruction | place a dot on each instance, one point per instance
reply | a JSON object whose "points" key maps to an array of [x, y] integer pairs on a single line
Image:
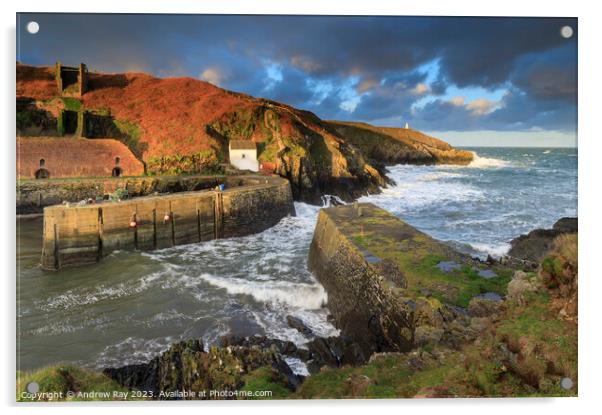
{"points": [[243, 155]]}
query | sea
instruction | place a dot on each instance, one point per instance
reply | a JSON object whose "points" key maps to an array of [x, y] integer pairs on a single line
{"points": [[131, 306]]}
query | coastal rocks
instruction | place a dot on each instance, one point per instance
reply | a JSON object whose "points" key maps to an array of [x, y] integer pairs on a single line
{"points": [[484, 307], [186, 366], [334, 351], [399, 145], [521, 285], [427, 335], [534, 245], [298, 324]]}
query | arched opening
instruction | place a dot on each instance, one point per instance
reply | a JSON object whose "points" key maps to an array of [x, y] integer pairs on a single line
{"points": [[42, 173], [116, 170]]}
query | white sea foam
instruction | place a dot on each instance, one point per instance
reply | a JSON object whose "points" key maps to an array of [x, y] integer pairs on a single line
{"points": [[479, 162], [132, 350], [297, 365], [307, 296], [494, 250]]}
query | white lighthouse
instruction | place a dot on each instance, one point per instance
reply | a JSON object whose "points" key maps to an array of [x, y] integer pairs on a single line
{"points": [[407, 126]]}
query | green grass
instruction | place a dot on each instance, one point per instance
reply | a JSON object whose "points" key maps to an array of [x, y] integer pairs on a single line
{"points": [[71, 104], [66, 379], [417, 255], [262, 379]]}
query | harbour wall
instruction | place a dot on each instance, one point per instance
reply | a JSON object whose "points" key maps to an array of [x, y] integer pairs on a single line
{"points": [[78, 235], [34, 195]]}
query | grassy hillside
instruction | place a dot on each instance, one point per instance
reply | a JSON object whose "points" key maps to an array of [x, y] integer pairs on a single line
{"points": [[399, 145]]}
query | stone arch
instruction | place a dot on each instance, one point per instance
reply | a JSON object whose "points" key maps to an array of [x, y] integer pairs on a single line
{"points": [[117, 170], [42, 173]]}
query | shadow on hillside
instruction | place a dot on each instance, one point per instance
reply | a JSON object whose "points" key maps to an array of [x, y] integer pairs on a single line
{"points": [[98, 81]]}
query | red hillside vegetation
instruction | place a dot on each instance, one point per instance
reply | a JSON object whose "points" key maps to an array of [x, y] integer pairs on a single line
{"points": [[169, 121]]}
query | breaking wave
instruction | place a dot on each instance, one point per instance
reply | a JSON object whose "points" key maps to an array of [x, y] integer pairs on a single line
{"points": [[479, 162], [302, 295]]}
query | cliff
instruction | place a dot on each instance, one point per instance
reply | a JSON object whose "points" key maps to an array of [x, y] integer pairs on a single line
{"points": [[399, 145], [183, 126]]}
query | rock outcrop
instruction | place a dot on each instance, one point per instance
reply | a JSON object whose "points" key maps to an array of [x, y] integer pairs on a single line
{"points": [[389, 145], [534, 245], [185, 366]]}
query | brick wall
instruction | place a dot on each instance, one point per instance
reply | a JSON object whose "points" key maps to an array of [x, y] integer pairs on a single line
{"points": [[74, 157]]}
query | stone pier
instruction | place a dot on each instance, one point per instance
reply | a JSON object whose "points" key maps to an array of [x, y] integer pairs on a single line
{"points": [[78, 235], [390, 286]]}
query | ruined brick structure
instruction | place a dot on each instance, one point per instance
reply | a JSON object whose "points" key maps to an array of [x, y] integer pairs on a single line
{"points": [[72, 157], [71, 81]]}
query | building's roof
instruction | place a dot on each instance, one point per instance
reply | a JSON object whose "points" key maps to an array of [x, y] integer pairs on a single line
{"points": [[242, 145]]}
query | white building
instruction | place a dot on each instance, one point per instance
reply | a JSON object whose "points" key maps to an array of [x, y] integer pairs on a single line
{"points": [[407, 126], [243, 155]]}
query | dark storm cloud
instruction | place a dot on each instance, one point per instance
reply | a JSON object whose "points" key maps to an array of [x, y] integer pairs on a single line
{"points": [[386, 56]]}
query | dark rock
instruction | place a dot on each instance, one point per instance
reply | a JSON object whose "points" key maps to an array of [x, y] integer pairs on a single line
{"points": [[566, 225], [186, 366], [533, 246], [334, 352], [298, 325], [490, 260]]}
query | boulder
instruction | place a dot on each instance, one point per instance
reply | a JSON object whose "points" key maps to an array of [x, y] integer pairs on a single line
{"points": [[521, 284], [427, 335], [536, 244], [298, 324], [483, 307]]}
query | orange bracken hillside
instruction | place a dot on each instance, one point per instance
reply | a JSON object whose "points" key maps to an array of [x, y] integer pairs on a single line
{"points": [[173, 123]]}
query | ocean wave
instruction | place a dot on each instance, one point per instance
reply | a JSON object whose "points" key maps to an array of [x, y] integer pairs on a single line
{"points": [[131, 350], [79, 297], [301, 295], [479, 162], [495, 250]]}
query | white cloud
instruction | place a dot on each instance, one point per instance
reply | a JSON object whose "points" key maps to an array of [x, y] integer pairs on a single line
{"points": [[481, 106], [212, 75], [457, 101], [420, 89]]}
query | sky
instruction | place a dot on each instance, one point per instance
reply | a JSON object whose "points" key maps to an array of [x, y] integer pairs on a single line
{"points": [[472, 81]]}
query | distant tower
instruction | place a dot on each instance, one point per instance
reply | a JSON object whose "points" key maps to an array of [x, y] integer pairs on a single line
{"points": [[407, 126]]}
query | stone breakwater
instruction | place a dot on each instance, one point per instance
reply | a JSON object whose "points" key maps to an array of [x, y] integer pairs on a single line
{"points": [[34, 195], [391, 287], [78, 235]]}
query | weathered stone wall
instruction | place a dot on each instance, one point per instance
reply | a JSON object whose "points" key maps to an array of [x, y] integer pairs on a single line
{"points": [[362, 302], [390, 286], [84, 234], [34, 195], [71, 157]]}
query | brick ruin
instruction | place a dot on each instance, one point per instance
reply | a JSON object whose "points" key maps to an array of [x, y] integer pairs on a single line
{"points": [[70, 80], [51, 157], [52, 133]]}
